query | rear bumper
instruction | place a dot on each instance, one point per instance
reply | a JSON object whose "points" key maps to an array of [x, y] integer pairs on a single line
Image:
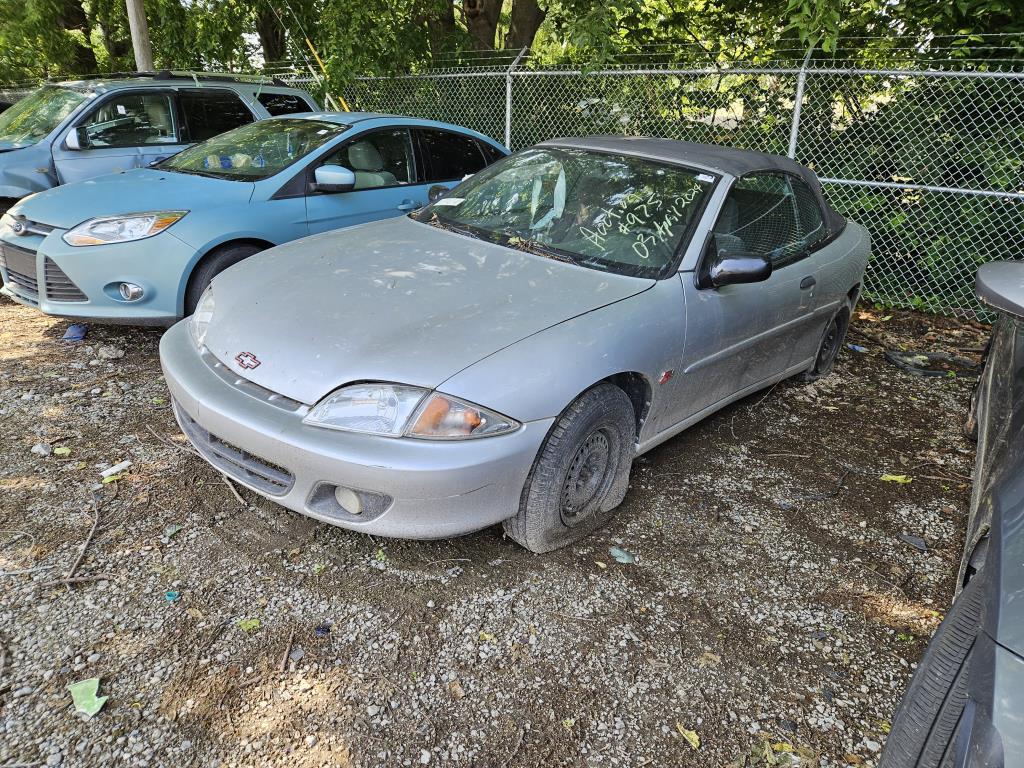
{"points": [[435, 489]]}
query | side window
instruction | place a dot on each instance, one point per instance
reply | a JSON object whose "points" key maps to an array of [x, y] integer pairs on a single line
{"points": [[283, 104], [210, 112], [449, 156], [763, 214], [379, 159], [132, 120], [491, 153]]}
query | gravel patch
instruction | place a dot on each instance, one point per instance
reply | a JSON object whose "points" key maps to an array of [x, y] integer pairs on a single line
{"points": [[772, 608]]}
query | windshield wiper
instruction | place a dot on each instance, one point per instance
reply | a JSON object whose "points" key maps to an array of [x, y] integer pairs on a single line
{"points": [[530, 245], [190, 172], [437, 221]]}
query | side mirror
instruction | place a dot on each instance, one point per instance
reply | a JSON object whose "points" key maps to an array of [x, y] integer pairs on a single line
{"points": [[334, 178], [728, 266], [436, 192], [77, 139]]}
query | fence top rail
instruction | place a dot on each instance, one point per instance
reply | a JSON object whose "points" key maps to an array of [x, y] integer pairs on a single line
{"points": [[705, 71]]}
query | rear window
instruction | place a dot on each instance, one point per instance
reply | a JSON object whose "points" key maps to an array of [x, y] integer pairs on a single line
{"points": [[210, 112], [284, 104]]}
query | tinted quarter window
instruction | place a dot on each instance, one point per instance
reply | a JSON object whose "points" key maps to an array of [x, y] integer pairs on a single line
{"points": [[132, 120], [764, 215], [379, 159], [491, 153], [210, 112], [283, 104], [449, 156]]}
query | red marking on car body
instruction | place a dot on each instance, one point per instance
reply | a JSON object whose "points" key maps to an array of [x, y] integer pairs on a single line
{"points": [[665, 376], [247, 360]]}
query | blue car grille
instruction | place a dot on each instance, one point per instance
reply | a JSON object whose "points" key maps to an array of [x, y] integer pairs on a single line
{"points": [[236, 462], [58, 285], [20, 264]]}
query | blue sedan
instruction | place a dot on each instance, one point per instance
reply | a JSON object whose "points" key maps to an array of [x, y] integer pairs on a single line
{"points": [[140, 247]]}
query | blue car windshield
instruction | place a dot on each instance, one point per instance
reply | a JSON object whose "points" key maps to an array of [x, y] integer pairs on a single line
{"points": [[33, 118], [254, 151], [611, 212]]}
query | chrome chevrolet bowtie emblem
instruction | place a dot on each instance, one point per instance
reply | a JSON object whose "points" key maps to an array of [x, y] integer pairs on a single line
{"points": [[247, 360]]}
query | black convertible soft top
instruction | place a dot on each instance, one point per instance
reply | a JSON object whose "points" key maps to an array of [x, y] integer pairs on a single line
{"points": [[711, 157]]}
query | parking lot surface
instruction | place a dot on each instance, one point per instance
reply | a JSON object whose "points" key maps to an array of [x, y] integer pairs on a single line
{"points": [[792, 556]]}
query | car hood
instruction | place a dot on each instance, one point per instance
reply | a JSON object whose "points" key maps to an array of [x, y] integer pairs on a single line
{"points": [[395, 300], [136, 191]]}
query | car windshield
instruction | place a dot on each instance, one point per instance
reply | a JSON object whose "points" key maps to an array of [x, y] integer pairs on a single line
{"points": [[611, 212], [32, 118], [255, 151]]}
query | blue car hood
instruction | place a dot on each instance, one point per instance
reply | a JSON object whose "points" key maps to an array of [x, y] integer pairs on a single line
{"points": [[135, 191]]}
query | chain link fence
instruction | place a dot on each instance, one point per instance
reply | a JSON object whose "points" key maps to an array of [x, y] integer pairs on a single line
{"points": [[929, 160]]}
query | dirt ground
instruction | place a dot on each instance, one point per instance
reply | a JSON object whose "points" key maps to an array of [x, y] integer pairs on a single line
{"points": [[773, 609]]}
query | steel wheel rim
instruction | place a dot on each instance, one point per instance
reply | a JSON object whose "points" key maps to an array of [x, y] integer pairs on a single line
{"points": [[587, 477], [829, 345]]}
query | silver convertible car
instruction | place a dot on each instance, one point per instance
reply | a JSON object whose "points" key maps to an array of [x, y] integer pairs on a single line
{"points": [[505, 353]]}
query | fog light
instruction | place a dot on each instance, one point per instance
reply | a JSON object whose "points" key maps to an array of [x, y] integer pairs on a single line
{"points": [[130, 291], [348, 500]]}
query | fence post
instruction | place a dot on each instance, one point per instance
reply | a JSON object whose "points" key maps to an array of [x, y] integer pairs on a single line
{"points": [[508, 96], [801, 81]]}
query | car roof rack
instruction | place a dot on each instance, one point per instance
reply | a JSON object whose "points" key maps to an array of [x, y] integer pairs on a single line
{"points": [[169, 74]]}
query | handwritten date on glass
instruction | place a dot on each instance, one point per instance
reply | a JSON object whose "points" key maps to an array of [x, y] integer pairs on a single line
{"points": [[635, 216]]}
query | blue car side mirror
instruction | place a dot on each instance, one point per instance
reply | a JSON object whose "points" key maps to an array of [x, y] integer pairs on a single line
{"points": [[334, 178]]}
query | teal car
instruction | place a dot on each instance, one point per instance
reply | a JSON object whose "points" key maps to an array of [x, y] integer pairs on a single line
{"points": [[141, 246]]}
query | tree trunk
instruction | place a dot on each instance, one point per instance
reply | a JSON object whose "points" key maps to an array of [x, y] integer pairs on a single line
{"points": [[439, 18], [271, 35], [71, 16], [482, 21], [527, 17]]}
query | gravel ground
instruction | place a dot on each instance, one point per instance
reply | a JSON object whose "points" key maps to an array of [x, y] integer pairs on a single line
{"points": [[773, 609]]}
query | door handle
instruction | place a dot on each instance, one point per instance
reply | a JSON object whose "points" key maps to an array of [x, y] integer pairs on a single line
{"points": [[808, 282], [409, 205]]}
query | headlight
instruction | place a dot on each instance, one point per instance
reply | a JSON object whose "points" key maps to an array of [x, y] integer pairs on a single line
{"points": [[395, 410], [200, 320], [121, 229]]}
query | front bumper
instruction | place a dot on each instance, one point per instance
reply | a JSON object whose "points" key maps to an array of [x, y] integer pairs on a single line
{"points": [[81, 283], [437, 489]]}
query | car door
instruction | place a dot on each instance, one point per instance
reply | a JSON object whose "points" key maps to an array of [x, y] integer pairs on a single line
{"points": [[386, 181], [206, 112], [447, 157], [740, 336], [122, 131]]}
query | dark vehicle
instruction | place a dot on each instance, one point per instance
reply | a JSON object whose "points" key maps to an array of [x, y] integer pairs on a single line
{"points": [[965, 705]]}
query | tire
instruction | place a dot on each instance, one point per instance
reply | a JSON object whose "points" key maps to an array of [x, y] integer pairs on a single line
{"points": [[831, 343], [926, 722], [581, 473], [210, 266]]}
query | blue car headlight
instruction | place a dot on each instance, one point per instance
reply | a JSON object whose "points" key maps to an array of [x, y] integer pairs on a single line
{"points": [[121, 229]]}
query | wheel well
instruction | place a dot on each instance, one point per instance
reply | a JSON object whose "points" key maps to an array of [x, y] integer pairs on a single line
{"points": [[241, 241], [638, 390], [853, 294]]}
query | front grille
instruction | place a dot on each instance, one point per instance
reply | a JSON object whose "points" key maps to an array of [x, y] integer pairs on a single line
{"points": [[20, 264], [33, 227], [250, 388], [58, 285], [236, 462]]}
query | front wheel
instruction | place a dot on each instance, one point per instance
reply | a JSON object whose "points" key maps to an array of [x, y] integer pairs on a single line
{"points": [[581, 473], [212, 265]]}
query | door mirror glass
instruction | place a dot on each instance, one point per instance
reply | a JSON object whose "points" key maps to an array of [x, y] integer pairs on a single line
{"points": [[437, 191], [726, 265], [334, 178], [77, 139]]}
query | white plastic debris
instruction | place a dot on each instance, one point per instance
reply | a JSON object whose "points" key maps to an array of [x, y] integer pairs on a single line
{"points": [[116, 469]]}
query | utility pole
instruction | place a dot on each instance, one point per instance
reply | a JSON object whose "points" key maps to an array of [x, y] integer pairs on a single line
{"points": [[140, 36]]}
